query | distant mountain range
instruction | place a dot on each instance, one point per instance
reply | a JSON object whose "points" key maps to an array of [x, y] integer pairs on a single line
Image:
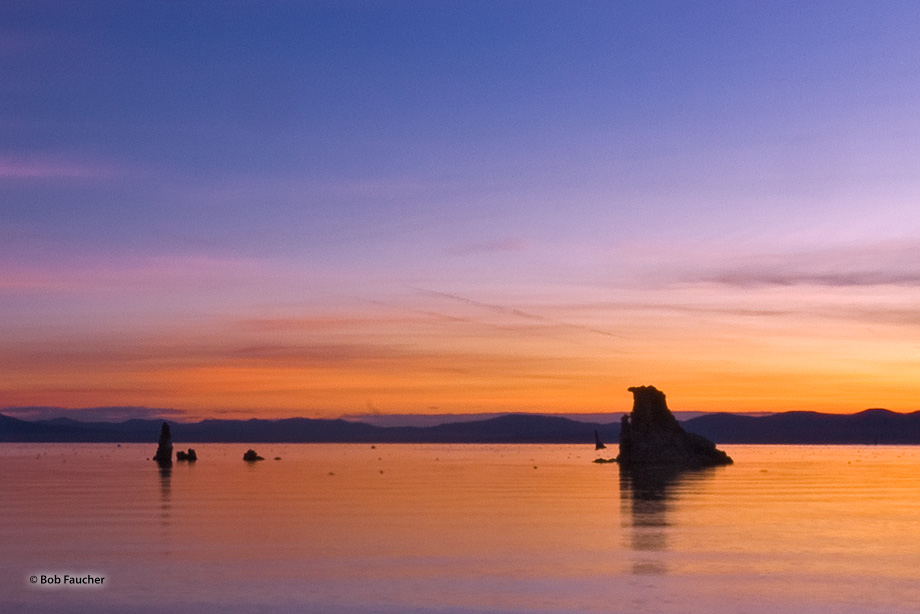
{"points": [[867, 427]]}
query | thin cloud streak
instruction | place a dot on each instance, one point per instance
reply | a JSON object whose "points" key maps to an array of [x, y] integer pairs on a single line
{"points": [[753, 277], [499, 246], [894, 263], [429, 315], [520, 313], [676, 307], [156, 273], [821, 306], [13, 169]]}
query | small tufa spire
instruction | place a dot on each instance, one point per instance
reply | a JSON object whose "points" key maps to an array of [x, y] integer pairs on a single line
{"points": [[163, 457]]}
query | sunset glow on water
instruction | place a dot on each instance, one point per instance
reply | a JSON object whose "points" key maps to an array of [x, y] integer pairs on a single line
{"points": [[459, 528]]}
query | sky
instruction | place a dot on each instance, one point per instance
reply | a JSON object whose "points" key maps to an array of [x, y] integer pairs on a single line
{"points": [[271, 209]]}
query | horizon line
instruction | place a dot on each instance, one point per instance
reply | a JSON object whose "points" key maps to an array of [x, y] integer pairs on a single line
{"points": [[74, 415]]}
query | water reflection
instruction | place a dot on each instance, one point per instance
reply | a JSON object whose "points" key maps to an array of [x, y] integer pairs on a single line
{"points": [[165, 493], [647, 495]]}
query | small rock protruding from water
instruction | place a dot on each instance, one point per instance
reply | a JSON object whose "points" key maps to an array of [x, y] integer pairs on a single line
{"points": [[251, 456], [598, 444], [189, 456], [163, 457]]}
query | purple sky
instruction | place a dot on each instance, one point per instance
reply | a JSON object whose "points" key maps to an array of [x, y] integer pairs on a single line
{"points": [[318, 208]]}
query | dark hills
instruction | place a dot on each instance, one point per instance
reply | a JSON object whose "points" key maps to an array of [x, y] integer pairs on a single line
{"points": [[512, 428], [867, 427], [806, 427]]}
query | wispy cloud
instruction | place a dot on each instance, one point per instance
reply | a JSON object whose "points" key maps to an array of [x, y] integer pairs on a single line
{"points": [[23, 169], [157, 273], [895, 263], [519, 313], [760, 277], [673, 307], [296, 324], [498, 246], [247, 188]]}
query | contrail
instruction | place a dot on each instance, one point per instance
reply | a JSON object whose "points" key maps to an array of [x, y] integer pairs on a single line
{"points": [[518, 312]]}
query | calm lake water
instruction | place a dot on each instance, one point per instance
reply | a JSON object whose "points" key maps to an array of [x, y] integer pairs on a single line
{"points": [[457, 528]]}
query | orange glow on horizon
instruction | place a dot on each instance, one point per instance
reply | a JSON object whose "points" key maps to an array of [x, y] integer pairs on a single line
{"points": [[442, 353]]}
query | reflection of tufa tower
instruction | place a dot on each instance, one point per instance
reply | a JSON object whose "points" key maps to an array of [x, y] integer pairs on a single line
{"points": [[645, 498], [163, 457]]}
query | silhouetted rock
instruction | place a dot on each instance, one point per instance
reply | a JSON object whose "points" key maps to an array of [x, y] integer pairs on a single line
{"points": [[598, 444], [163, 457], [251, 456], [651, 436], [189, 456]]}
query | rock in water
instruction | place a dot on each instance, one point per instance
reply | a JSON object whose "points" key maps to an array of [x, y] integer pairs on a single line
{"points": [[163, 457], [652, 436], [251, 456], [189, 456]]}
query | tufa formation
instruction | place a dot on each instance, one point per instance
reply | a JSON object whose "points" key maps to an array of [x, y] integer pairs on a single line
{"points": [[251, 456], [650, 436], [163, 457], [190, 456]]}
